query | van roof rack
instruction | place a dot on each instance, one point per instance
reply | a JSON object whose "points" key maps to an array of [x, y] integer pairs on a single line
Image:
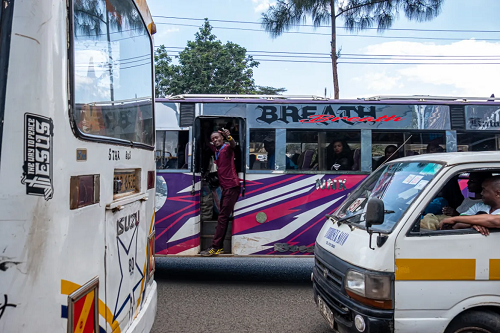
{"points": [[423, 98], [235, 96]]}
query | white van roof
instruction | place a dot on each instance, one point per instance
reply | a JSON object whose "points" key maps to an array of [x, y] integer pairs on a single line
{"points": [[455, 158]]}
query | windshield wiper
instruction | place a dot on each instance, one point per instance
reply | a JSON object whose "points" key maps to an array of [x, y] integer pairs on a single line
{"points": [[353, 224]]}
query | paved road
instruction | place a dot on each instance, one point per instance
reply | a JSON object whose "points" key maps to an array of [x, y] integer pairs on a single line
{"points": [[236, 295]]}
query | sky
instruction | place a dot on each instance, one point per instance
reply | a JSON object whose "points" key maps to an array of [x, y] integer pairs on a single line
{"points": [[470, 40]]}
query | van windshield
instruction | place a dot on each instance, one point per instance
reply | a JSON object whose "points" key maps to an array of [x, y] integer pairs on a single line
{"points": [[397, 184]]}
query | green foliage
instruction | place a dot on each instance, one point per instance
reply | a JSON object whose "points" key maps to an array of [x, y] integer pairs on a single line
{"points": [[207, 66]]}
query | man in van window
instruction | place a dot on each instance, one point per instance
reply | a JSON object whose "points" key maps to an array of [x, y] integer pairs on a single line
{"points": [[474, 186], [230, 184], [483, 215]]}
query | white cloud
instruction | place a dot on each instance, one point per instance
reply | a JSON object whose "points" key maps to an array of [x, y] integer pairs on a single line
{"points": [[163, 33], [262, 5], [477, 80], [380, 82]]}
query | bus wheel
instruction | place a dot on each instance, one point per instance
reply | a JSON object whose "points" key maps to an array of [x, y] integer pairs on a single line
{"points": [[475, 322]]}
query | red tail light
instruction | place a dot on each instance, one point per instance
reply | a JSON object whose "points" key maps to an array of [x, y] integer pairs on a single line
{"points": [[151, 180]]}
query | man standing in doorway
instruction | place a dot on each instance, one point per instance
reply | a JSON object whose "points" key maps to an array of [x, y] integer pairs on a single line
{"points": [[230, 184]]}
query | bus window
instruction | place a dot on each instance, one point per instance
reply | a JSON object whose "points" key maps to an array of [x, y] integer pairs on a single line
{"points": [[323, 150], [424, 143], [112, 77], [172, 150], [262, 149], [477, 141], [384, 147]]}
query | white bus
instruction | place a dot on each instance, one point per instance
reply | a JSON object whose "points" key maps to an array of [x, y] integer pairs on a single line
{"points": [[76, 166]]}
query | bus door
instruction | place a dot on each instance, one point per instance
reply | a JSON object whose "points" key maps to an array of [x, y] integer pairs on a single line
{"points": [[210, 190], [125, 249]]}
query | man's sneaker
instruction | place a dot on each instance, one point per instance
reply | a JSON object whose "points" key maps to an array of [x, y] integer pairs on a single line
{"points": [[211, 251]]}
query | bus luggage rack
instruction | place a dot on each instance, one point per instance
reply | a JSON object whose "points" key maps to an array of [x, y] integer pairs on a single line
{"points": [[234, 96], [423, 98]]}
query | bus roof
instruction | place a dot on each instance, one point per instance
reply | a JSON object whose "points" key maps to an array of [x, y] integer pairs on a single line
{"points": [[146, 15], [299, 99]]}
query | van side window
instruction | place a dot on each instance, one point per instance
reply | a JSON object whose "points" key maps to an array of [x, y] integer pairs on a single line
{"points": [[459, 196]]}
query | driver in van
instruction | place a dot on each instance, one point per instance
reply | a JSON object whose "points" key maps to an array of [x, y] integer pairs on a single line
{"points": [[230, 184], [480, 216]]}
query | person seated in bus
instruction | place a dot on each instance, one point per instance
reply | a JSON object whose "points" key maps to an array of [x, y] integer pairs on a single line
{"points": [[389, 155], [269, 146], [434, 147], [474, 186], [339, 156], [480, 216]]}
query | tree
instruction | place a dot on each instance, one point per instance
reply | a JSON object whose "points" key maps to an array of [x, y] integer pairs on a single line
{"points": [[206, 66], [163, 72], [357, 14], [266, 90]]}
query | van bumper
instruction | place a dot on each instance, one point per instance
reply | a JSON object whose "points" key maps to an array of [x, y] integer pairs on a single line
{"points": [[329, 286]]}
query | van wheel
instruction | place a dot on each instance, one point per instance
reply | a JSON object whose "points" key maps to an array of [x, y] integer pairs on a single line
{"points": [[475, 322]]}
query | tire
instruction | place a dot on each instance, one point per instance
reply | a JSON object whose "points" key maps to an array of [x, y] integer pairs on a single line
{"points": [[475, 322]]}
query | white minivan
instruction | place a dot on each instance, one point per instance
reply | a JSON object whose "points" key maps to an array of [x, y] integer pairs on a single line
{"points": [[378, 270]]}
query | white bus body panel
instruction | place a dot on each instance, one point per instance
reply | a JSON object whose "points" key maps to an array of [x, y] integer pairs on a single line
{"points": [[46, 247]]}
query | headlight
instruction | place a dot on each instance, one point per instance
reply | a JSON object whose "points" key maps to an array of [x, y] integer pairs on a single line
{"points": [[370, 289]]}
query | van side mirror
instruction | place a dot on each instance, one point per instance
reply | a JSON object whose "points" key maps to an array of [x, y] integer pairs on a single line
{"points": [[374, 212]]}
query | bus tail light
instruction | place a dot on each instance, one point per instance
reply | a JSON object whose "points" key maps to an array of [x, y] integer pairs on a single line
{"points": [[151, 179], [84, 191]]}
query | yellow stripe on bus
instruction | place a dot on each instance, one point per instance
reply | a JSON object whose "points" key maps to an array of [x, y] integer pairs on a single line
{"points": [[494, 269], [152, 223], [435, 269], [145, 264], [67, 287], [82, 320]]}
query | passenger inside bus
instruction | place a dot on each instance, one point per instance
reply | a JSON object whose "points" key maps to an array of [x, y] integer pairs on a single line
{"points": [[339, 156], [434, 147], [389, 155], [269, 146]]}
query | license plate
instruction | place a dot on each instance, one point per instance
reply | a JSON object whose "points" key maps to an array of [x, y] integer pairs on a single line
{"points": [[326, 312], [125, 181]]}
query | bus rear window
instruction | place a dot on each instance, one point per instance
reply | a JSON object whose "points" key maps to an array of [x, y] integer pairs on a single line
{"points": [[112, 69]]}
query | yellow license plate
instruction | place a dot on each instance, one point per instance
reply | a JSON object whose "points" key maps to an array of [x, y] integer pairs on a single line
{"points": [[125, 181]]}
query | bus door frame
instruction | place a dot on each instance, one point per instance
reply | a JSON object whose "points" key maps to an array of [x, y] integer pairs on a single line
{"points": [[196, 156]]}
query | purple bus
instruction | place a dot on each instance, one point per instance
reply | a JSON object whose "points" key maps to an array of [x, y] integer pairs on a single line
{"points": [[297, 157]]}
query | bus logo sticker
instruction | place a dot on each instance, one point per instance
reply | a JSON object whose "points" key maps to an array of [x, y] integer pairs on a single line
{"points": [[38, 159]]}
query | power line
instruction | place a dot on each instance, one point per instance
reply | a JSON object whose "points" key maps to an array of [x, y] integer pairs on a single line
{"points": [[339, 35], [354, 54], [310, 25], [381, 62]]}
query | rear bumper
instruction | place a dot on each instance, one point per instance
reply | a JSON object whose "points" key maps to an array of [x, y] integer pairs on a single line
{"points": [[146, 317]]}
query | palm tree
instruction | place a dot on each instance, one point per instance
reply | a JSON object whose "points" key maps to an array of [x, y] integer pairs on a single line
{"points": [[357, 15]]}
